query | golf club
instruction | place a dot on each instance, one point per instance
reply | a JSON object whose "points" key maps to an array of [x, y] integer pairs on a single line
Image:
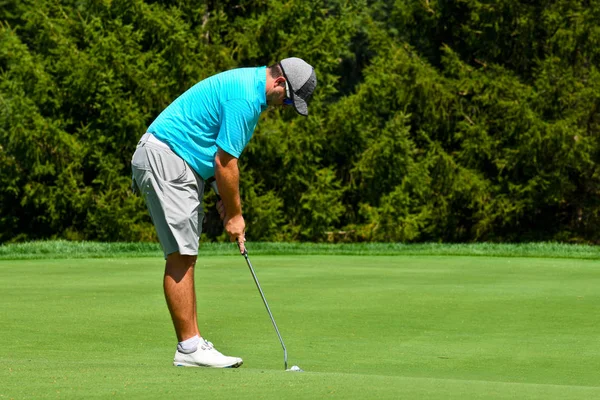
{"points": [[294, 368]]}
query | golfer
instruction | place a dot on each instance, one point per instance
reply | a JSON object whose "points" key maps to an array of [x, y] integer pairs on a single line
{"points": [[196, 141]]}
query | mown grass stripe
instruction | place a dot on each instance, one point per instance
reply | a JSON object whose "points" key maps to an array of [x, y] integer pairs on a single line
{"points": [[67, 249]]}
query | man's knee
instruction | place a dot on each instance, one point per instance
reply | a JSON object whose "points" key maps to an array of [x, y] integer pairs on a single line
{"points": [[178, 265]]}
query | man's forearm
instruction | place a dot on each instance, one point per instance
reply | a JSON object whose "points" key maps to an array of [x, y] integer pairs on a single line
{"points": [[227, 176]]}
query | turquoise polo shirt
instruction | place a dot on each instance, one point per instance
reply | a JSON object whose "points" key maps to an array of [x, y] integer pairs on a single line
{"points": [[220, 111]]}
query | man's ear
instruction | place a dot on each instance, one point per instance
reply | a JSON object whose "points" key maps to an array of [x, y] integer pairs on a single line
{"points": [[280, 81]]}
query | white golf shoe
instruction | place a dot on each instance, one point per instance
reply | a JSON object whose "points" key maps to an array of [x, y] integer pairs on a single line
{"points": [[206, 356]]}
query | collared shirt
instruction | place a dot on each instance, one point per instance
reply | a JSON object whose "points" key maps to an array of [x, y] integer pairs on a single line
{"points": [[220, 111]]}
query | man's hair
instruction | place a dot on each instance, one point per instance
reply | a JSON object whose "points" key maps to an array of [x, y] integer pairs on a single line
{"points": [[275, 71]]}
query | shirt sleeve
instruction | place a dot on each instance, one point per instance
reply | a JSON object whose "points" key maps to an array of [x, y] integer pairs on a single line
{"points": [[238, 120]]}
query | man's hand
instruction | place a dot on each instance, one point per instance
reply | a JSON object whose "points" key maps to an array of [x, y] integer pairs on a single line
{"points": [[235, 228]]}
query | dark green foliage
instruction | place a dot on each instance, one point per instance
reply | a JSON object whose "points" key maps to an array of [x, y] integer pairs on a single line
{"points": [[433, 120]]}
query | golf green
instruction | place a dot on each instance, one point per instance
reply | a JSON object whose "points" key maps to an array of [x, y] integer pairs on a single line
{"points": [[393, 327]]}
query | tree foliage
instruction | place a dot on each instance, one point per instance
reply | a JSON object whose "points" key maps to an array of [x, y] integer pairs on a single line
{"points": [[433, 120]]}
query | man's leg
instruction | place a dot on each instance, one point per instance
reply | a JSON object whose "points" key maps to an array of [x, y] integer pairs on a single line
{"points": [[181, 299], [180, 294]]}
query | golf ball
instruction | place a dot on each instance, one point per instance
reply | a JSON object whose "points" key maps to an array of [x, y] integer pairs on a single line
{"points": [[295, 368]]}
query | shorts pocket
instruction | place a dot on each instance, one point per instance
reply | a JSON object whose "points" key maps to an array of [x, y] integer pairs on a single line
{"points": [[167, 165], [140, 159]]}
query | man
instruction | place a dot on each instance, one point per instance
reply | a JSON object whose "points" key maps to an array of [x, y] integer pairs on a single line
{"points": [[197, 140]]}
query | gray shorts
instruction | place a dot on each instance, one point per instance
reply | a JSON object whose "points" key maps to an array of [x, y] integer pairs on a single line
{"points": [[173, 194]]}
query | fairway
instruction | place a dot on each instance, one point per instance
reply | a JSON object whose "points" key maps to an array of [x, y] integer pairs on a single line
{"points": [[393, 327]]}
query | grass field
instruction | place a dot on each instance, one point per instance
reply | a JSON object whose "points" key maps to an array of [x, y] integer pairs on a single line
{"points": [[362, 327]]}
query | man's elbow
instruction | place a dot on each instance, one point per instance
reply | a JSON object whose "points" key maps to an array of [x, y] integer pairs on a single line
{"points": [[224, 160]]}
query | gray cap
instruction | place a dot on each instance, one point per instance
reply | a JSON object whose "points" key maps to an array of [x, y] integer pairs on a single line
{"points": [[302, 80]]}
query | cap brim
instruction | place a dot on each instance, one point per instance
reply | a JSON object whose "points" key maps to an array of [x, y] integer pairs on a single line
{"points": [[300, 106]]}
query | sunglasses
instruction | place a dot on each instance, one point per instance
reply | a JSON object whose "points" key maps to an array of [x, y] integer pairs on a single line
{"points": [[287, 101]]}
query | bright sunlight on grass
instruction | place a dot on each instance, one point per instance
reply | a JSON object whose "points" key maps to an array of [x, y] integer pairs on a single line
{"points": [[362, 327]]}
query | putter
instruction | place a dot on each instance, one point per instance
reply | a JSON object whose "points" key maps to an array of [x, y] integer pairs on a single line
{"points": [[294, 368]]}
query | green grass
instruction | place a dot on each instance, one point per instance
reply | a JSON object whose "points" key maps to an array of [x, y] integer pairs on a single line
{"points": [[401, 327], [65, 249]]}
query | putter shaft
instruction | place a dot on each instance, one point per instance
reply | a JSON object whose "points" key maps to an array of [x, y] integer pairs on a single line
{"points": [[262, 295]]}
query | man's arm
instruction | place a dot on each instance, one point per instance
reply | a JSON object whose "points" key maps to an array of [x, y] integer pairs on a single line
{"points": [[227, 176]]}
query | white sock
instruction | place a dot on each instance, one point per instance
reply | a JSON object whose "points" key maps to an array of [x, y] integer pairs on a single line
{"points": [[189, 345]]}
